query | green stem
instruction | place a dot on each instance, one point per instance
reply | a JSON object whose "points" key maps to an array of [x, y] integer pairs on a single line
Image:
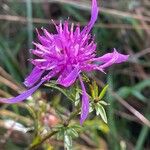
{"points": [[29, 25], [143, 134], [72, 115], [113, 129], [32, 147]]}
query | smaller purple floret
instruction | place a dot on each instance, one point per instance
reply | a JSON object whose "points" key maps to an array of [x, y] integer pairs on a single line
{"points": [[65, 55]]}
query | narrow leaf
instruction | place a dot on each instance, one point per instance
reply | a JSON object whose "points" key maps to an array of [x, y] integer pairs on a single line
{"points": [[103, 103], [95, 89], [101, 111], [67, 141], [103, 92]]}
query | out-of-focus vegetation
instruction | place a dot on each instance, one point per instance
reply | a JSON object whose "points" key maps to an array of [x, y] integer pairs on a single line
{"points": [[123, 24]]}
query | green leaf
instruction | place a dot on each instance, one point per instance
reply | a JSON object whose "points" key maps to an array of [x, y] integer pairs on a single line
{"points": [[135, 90], [103, 92], [101, 111], [124, 92], [95, 89], [77, 98], [67, 141], [143, 84], [92, 91], [72, 132], [63, 91], [67, 134], [60, 134], [103, 103], [91, 108], [138, 95], [76, 127]]}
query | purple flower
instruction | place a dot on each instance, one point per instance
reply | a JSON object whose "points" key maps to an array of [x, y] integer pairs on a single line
{"points": [[66, 54]]}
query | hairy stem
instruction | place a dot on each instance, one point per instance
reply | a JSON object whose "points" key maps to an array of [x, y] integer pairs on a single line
{"points": [[72, 115], [34, 146]]}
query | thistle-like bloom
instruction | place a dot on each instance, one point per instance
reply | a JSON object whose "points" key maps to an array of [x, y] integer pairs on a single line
{"points": [[65, 55]]}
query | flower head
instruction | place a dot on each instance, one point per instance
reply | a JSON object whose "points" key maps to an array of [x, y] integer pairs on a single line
{"points": [[65, 55]]}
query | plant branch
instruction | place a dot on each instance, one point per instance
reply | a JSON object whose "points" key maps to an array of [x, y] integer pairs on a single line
{"points": [[66, 123], [34, 146], [72, 115]]}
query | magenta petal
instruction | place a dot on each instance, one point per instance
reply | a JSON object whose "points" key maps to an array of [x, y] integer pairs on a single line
{"points": [[70, 78], [22, 96], [33, 77], [111, 58], [94, 14], [85, 103]]}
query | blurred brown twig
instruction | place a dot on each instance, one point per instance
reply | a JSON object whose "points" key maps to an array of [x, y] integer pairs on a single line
{"points": [[87, 6], [47, 21]]}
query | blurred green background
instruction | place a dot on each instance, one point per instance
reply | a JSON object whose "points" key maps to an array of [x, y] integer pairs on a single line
{"points": [[123, 24]]}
